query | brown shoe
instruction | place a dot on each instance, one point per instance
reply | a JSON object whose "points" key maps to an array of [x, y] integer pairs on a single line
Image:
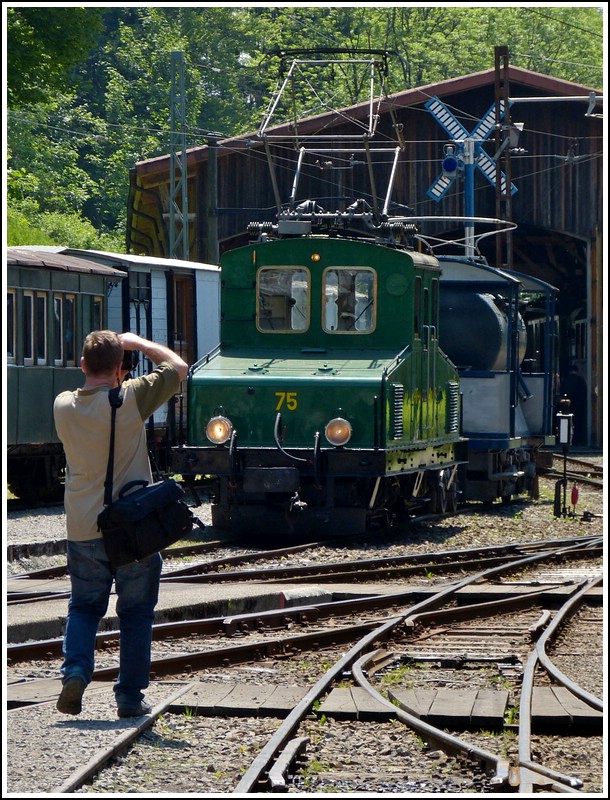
{"points": [[70, 699]]}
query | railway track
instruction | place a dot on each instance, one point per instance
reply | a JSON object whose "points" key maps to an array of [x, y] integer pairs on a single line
{"points": [[231, 626], [218, 570], [576, 470], [361, 662], [225, 682], [271, 767]]}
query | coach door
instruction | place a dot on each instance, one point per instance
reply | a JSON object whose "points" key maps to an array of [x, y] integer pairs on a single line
{"points": [[183, 339], [184, 318]]}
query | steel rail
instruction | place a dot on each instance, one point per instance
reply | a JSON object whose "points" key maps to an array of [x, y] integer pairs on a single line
{"points": [[191, 550], [215, 625], [581, 462], [211, 626], [255, 775], [446, 740], [489, 608], [576, 477], [60, 571], [78, 778], [278, 618], [394, 566], [527, 768], [444, 559], [229, 624], [566, 611]]}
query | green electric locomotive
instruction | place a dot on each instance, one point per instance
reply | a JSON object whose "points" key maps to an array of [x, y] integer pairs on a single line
{"points": [[329, 404], [328, 401]]}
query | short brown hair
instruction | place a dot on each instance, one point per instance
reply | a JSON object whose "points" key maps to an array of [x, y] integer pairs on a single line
{"points": [[102, 352]]}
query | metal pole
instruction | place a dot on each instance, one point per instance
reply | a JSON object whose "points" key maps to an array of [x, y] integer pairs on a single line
{"points": [[503, 207], [213, 251], [469, 196], [178, 189]]}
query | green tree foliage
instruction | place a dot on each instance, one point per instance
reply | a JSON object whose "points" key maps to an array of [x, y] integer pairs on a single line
{"points": [[89, 88], [60, 229], [20, 231], [44, 45]]}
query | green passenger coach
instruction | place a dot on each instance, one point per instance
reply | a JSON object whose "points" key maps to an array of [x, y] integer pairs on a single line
{"points": [[52, 302]]}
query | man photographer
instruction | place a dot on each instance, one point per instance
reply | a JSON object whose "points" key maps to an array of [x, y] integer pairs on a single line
{"points": [[82, 420]]}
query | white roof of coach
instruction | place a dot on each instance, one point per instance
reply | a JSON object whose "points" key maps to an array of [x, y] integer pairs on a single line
{"points": [[128, 258]]}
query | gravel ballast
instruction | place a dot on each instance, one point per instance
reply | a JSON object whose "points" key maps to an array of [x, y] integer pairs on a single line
{"points": [[199, 755]]}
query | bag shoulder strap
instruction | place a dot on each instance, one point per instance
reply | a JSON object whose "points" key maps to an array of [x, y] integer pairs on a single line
{"points": [[115, 398]]}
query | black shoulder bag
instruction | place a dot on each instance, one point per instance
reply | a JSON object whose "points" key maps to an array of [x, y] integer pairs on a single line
{"points": [[141, 521]]}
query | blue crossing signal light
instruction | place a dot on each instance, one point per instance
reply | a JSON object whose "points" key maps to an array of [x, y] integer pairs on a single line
{"points": [[450, 165]]}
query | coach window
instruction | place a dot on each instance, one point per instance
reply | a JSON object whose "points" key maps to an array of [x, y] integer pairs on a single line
{"points": [[283, 300], [69, 329], [98, 313], [40, 328], [58, 330], [28, 328], [140, 293], [349, 300], [10, 327]]}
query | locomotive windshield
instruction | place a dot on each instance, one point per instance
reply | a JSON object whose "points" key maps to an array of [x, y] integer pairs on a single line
{"points": [[283, 304], [349, 300]]}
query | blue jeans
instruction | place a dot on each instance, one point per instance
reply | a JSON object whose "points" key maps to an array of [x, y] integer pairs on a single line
{"points": [[137, 590]]}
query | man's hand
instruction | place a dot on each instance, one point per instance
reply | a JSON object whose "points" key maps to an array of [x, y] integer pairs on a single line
{"points": [[156, 352], [131, 341]]}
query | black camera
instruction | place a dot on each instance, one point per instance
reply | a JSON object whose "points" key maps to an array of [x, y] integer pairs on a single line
{"points": [[130, 360]]}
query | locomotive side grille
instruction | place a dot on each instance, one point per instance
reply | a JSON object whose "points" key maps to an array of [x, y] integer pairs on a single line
{"points": [[398, 396], [453, 421]]}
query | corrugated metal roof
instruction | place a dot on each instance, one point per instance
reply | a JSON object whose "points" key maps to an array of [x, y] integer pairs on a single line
{"points": [[41, 259], [126, 259], [123, 260]]}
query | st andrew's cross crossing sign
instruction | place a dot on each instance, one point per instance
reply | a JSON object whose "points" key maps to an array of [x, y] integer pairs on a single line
{"points": [[459, 135]]}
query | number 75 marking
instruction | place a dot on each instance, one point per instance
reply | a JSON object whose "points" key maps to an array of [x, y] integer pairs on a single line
{"points": [[286, 398]]}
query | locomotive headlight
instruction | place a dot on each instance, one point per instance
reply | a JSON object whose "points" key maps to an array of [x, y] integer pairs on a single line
{"points": [[218, 430], [338, 431]]}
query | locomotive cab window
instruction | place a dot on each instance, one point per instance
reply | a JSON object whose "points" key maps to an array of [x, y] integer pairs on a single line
{"points": [[283, 299], [349, 300]]}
